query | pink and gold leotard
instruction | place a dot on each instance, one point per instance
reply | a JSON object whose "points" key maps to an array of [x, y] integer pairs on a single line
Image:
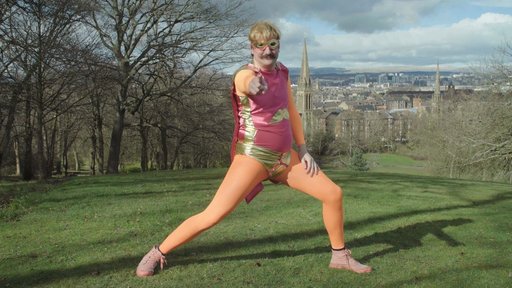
{"points": [[265, 123]]}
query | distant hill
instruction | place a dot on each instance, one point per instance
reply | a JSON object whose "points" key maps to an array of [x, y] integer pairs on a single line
{"points": [[333, 73], [322, 71]]}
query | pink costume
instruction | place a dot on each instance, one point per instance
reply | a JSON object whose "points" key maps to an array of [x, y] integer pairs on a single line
{"points": [[262, 125]]}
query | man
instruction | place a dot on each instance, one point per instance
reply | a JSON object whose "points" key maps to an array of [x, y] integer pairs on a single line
{"points": [[266, 122]]}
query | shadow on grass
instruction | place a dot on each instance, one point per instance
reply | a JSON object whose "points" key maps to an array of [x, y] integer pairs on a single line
{"points": [[400, 181], [348, 226], [407, 237], [500, 197], [416, 280], [90, 270], [402, 238], [128, 193]]}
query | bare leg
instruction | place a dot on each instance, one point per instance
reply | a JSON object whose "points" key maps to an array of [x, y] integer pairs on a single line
{"points": [[243, 174], [323, 189], [331, 195]]}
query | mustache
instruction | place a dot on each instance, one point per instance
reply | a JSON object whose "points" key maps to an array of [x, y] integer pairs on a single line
{"points": [[270, 56]]}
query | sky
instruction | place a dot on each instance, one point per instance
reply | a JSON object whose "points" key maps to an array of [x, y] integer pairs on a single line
{"points": [[389, 35]]}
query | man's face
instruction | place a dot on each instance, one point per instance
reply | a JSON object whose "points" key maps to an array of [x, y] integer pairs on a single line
{"points": [[265, 53]]}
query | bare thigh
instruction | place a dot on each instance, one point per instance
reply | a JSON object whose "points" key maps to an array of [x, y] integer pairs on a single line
{"points": [[319, 186], [243, 174]]}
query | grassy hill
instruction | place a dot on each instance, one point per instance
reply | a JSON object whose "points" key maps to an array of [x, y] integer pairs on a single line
{"points": [[415, 230], [392, 163]]}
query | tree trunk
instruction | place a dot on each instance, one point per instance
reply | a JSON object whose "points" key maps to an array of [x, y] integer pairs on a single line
{"points": [[26, 162], [28, 173], [63, 137], [51, 147], [40, 159], [101, 145], [65, 160], [176, 154], [77, 160], [144, 151], [144, 148], [41, 171], [143, 131], [97, 137], [94, 149], [6, 137], [115, 143], [163, 146], [17, 156]]}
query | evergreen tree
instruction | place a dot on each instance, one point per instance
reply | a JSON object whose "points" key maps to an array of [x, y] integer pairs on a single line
{"points": [[357, 162]]}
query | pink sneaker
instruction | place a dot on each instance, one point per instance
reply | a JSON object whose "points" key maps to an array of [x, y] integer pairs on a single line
{"points": [[343, 260], [148, 264]]}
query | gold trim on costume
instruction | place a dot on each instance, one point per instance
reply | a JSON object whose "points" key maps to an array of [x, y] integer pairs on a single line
{"points": [[280, 115], [274, 162]]}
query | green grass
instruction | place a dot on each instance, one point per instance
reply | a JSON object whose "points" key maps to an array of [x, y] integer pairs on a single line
{"points": [[14, 199], [415, 230], [393, 163]]}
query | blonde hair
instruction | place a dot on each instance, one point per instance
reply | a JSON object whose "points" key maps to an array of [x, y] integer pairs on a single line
{"points": [[263, 30]]}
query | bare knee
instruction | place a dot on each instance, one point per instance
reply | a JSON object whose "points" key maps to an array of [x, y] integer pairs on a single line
{"points": [[334, 195], [210, 218]]}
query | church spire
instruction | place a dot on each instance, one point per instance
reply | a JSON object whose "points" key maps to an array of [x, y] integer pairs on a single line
{"points": [[304, 91], [304, 69], [304, 84], [436, 98]]}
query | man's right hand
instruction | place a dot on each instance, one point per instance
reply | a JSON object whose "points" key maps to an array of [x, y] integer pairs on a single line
{"points": [[257, 85]]}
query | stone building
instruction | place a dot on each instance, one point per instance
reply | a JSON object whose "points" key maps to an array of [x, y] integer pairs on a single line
{"points": [[387, 119], [360, 120]]}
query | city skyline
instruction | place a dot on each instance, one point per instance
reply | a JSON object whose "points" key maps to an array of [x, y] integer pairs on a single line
{"points": [[389, 35]]}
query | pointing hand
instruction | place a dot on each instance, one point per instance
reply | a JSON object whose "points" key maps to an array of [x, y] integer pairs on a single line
{"points": [[257, 85]]}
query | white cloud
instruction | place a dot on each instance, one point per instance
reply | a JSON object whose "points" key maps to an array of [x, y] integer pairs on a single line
{"points": [[348, 15], [371, 33], [466, 42]]}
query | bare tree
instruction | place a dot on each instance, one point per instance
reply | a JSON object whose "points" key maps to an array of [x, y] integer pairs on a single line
{"points": [[10, 88], [98, 86], [98, 93], [39, 34], [7, 113], [472, 136], [190, 35]]}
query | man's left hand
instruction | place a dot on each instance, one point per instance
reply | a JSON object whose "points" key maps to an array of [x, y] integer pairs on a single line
{"points": [[307, 160]]}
